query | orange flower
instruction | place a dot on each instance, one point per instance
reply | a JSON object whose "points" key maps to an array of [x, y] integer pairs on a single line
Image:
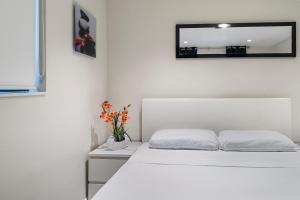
{"points": [[106, 105], [110, 117], [113, 114], [124, 117], [117, 119], [103, 115], [108, 120]]}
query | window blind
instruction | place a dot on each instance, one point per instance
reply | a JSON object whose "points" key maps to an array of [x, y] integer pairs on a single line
{"points": [[17, 46]]}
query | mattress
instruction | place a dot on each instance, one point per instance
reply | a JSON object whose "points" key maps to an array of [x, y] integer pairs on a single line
{"points": [[152, 174]]}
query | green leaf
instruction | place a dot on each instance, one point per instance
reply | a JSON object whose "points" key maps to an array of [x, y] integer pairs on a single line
{"points": [[128, 136]]}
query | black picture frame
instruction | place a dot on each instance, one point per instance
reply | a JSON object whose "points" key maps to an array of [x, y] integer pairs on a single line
{"points": [[292, 54], [84, 31]]}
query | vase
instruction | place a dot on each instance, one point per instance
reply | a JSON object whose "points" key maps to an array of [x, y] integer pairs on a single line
{"points": [[113, 145]]}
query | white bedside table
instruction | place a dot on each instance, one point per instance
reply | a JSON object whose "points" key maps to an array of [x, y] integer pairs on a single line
{"points": [[104, 163]]}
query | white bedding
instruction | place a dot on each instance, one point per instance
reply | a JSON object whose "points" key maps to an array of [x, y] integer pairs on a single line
{"points": [[153, 174]]}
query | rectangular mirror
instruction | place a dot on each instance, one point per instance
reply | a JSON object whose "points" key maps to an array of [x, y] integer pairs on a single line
{"points": [[277, 39]]}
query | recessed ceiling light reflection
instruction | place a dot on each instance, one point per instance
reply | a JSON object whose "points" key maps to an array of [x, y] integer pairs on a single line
{"points": [[224, 25]]}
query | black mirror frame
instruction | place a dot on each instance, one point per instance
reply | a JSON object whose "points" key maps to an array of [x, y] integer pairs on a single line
{"points": [[294, 43]]}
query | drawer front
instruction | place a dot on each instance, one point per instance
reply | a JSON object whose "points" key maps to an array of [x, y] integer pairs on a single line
{"points": [[101, 170], [93, 189]]}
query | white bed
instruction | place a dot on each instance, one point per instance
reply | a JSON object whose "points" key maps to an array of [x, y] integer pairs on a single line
{"points": [[153, 174]]}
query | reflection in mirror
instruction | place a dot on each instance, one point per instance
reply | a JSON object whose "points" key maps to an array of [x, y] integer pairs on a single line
{"points": [[236, 40]]}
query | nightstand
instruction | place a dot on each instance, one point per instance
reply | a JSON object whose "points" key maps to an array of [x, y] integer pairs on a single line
{"points": [[104, 163]]}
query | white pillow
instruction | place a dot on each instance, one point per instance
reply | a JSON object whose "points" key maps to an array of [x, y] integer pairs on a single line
{"points": [[247, 140], [184, 139]]}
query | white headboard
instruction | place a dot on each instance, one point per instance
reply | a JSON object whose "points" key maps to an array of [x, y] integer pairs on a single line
{"points": [[216, 114]]}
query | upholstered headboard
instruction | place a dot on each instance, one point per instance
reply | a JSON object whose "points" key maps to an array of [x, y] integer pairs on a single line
{"points": [[216, 114]]}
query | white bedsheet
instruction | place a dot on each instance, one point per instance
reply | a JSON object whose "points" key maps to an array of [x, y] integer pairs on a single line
{"points": [[153, 174]]}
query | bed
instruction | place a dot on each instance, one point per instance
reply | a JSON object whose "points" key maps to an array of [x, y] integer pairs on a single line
{"points": [[156, 174]]}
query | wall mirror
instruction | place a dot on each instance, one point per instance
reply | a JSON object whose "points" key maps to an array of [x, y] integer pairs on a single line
{"points": [[277, 39]]}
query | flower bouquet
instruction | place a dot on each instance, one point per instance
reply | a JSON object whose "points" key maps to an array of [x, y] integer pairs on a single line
{"points": [[117, 120]]}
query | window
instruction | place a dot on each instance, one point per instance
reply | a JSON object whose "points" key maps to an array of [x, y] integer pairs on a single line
{"points": [[22, 55]]}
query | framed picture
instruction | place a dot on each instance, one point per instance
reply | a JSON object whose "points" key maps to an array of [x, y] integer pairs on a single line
{"points": [[84, 31]]}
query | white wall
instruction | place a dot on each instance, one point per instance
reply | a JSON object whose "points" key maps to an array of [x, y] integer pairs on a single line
{"points": [[142, 54], [44, 140]]}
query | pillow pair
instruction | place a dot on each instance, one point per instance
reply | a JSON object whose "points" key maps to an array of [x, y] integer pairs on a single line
{"points": [[238, 140]]}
